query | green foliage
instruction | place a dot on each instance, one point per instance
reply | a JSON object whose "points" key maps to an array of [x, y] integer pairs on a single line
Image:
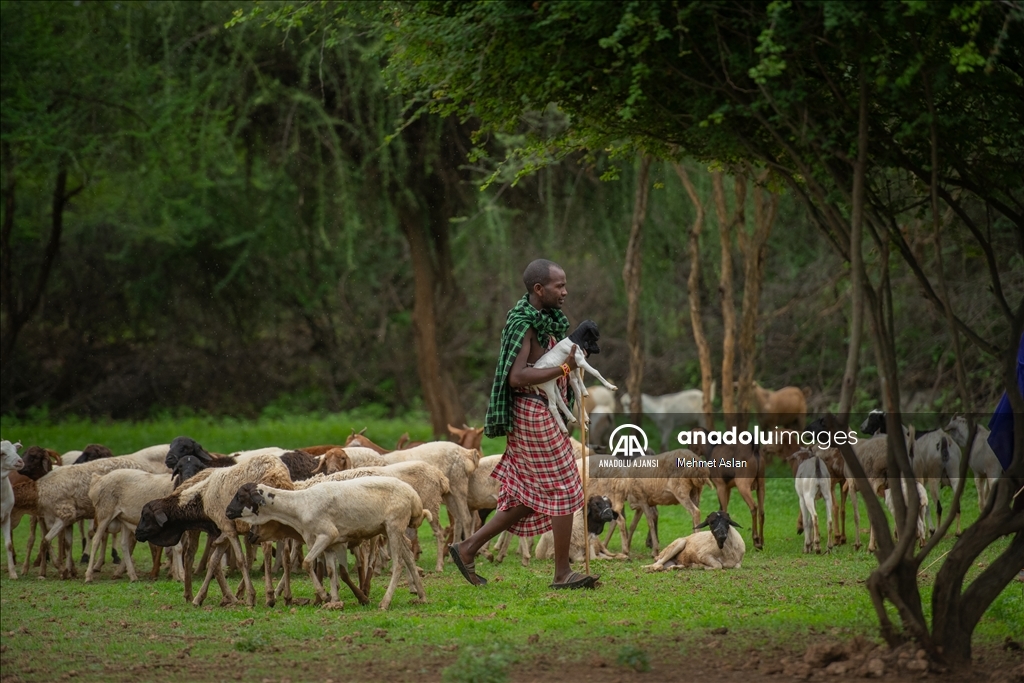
{"points": [[480, 665], [633, 657]]}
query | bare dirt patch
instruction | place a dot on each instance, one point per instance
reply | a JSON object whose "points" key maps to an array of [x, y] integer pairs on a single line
{"points": [[706, 657]]}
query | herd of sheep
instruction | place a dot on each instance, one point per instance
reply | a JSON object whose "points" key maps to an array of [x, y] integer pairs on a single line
{"points": [[359, 497]]}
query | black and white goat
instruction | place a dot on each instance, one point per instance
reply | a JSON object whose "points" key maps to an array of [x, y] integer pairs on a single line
{"points": [[585, 338], [719, 548]]}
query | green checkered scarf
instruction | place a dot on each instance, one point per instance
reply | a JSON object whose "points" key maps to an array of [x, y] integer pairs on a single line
{"points": [[523, 316]]}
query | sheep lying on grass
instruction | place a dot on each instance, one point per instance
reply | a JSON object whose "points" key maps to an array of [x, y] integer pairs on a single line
{"points": [[720, 548]]}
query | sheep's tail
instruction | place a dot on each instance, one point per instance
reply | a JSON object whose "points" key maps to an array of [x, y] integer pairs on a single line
{"points": [[944, 449]]}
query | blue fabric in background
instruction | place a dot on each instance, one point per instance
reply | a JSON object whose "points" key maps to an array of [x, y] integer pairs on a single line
{"points": [[1001, 424]]}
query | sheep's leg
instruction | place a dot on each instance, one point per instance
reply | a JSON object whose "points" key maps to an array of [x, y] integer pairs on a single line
{"points": [[244, 563], [743, 486], [211, 567], [189, 545], [361, 595], [396, 569], [652, 529], [98, 538], [155, 554], [826, 492], [33, 521], [856, 516], [127, 564], [435, 526], [332, 574], [205, 558], [322, 542], [268, 579], [69, 570], [284, 586], [523, 548], [81, 530], [414, 575], [9, 547], [810, 524]]}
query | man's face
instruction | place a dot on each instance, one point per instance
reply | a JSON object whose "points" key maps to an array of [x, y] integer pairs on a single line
{"points": [[553, 294]]}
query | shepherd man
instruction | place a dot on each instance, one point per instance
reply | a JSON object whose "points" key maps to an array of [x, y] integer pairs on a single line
{"points": [[540, 481]]}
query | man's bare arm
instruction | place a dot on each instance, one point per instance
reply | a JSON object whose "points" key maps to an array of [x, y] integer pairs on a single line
{"points": [[521, 376]]}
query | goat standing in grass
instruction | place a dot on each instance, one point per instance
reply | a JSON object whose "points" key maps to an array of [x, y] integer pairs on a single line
{"points": [[812, 481]]}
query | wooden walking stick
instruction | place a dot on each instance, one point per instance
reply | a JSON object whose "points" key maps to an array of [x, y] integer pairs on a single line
{"points": [[583, 441]]}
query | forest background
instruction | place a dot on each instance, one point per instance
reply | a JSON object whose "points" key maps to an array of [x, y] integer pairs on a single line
{"points": [[249, 222]]}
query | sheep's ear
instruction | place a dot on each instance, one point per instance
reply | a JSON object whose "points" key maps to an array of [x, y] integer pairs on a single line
{"points": [[732, 523], [161, 517], [701, 525]]}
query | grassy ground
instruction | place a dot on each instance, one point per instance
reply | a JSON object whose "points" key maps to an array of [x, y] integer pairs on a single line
{"points": [[775, 605]]}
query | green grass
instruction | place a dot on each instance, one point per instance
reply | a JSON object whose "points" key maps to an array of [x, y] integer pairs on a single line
{"points": [[780, 597]]}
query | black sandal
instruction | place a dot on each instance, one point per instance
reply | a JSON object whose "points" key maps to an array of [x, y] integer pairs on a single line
{"points": [[577, 580], [468, 569]]}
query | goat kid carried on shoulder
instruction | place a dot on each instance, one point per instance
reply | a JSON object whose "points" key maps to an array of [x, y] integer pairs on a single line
{"points": [[585, 338]]}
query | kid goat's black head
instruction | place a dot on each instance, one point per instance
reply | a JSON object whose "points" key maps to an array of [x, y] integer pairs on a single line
{"points": [[585, 336]]}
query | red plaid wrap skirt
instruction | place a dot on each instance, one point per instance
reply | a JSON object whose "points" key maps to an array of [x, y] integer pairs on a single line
{"points": [[538, 469]]}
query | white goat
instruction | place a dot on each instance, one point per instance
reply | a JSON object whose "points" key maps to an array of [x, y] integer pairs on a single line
{"points": [[813, 480], [10, 461], [586, 337], [672, 411], [936, 454], [982, 460], [922, 511]]}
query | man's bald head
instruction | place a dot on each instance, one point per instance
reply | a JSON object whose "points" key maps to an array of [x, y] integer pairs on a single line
{"points": [[538, 273]]}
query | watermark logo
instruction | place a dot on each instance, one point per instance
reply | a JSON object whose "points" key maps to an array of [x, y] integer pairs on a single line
{"points": [[625, 441]]}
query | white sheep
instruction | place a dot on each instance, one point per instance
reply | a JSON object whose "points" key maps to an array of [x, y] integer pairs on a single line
{"points": [[245, 456], [201, 503], [936, 455], [334, 515], [456, 463], [672, 411], [118, 498], [983, 461], [64, 499], [720, 548], [922, 511], [811, 481], [428, 481], [10, 461]]}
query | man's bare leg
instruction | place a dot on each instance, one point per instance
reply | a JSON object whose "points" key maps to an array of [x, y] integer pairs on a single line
{"points": [[499, 521], [561, 529]]}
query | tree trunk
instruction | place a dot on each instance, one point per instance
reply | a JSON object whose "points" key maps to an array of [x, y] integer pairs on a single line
{"points": [[20, 309], [439, 393], [856, 230], [631, 278], [754, 248], [725, 288], [693, 285]]}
